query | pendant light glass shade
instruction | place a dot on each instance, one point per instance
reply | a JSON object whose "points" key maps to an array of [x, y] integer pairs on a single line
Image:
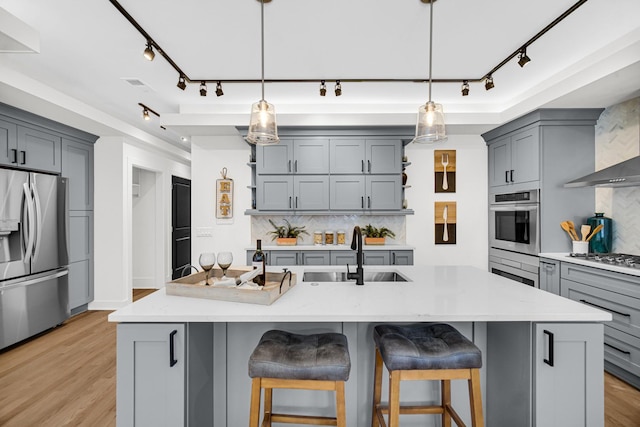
{"points": [[263, 129], [430, 126]]}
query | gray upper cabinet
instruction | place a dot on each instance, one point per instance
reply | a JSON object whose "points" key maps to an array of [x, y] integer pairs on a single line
{"points": [[347, 156], [383, 192], [285, 193], [371, 156], [299, 156], [29, 148], [8, 143], [276, 158], [365, 192], [514, 159], [347, 192], [383, 156], [311, 193], [77, 164]]}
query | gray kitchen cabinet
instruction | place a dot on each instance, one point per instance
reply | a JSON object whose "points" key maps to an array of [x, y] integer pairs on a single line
{"points": [[550, 275], [311, 192], [370, 156], [80, 260], [283, 258], [165, 374], [8, 143], [294, 156], [347, 156], [315, 258], [347, 192], [30, 148], [376, 258], [383, 192], [564, 355], [343, 258], [276, 158], [77, 165], [403, 257], [383, 156], [514, 159], [274, 192]]}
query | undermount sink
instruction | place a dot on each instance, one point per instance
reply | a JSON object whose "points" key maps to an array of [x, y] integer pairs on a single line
{"points": [[341, 276]]}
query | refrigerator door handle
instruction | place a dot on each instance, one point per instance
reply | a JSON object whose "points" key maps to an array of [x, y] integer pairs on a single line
{"points": [[27, 229], [22, 282], [38, 210]]}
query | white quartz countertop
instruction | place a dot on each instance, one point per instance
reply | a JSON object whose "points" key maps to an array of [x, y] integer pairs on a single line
{"points": [[385, 247], [565, 257], [436, 293]]}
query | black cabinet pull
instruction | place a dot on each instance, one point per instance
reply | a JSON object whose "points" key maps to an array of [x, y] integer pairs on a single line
{"points": [[511, 174], [506, 176], [362, 202], [15, 155], [362, 166], [289, 202], [618, 349], [296, 202], [604, 308], [369, 165], [172, 359], [549, 361], [369, 202], [289, 165], [24, 157], [394, 258], [295, 166]]}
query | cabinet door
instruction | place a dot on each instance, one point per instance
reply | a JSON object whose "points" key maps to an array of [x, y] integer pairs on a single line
{"points": [[383, 192], [376, 258], [315, 258], [39, 150], [276, 158], [383, 156], [275, 193], [283, 258], [347, 156], [311, 156], [80, 258], [343, 258], [311, 193], [77, 165], [525, 156], [151, 375], [499, 162], [401, 257], [568, 372], [347, 192], [550, 275], [8, 143]]}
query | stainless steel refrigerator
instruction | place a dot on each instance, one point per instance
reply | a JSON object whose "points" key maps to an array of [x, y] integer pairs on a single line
{"points": [[34, 256]]}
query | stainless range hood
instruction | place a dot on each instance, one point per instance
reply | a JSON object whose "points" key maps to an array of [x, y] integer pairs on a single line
{"points": [[624, 174]]}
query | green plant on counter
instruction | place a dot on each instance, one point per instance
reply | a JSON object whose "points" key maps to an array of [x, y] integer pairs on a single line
{"points": [[371, 231], [287, 230]]}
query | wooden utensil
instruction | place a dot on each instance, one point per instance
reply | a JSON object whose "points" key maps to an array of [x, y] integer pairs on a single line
{"points": [[565, 227], [572, 230], [584, 230], [595, 231]]}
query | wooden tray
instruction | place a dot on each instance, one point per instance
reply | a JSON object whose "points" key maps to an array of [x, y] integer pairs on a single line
{"points": [[193, 286]]}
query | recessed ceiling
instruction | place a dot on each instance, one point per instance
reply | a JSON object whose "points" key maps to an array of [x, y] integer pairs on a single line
{"points": [[89, 50]]}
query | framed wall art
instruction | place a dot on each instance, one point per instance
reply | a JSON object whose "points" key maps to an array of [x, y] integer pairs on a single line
{"points": [[224, 196], [444, 167], [445, 223]]}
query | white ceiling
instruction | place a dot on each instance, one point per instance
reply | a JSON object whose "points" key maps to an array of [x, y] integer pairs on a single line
{"points": [[87, 49]]}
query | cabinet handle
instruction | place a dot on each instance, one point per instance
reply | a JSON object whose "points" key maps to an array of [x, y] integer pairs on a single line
{"points": [[369, 202], [511, 174], [362, 202], [549, 267], [172, 359], [549, 361], [289, 165], [24, 157], [369, 166], [506, 176], [295, 166], [289, 202], [393, 257], [15, 155], [362, 166], [617, 349], [604, 308], [296, 202]]}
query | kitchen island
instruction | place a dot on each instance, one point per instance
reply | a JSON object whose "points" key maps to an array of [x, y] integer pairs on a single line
{"points": [[183, 361]]}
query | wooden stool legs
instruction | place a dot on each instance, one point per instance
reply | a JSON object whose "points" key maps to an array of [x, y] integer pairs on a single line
{"points": [[394, 408]]}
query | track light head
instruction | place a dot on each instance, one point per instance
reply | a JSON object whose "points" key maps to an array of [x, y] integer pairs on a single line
{"points": [[148, 52], [465, 88], [323, 88], [219, 91], [203, 89], [488, 85], [182, 84], [523, 58], [145, 114], [338, 90]]}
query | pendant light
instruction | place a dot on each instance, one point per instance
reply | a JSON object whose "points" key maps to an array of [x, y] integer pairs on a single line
{"points": [[430, 126], [262, 127]]}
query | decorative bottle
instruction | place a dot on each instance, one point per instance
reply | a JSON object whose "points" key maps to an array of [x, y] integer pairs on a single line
{"points": [[259, 262], [601, 243]]}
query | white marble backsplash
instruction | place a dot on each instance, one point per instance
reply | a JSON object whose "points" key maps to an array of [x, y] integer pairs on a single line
{"points": [[618, 139], [260, 226]]}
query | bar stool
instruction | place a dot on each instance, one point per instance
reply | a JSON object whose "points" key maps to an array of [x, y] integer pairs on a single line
{"points": [[425, 351], [311, 362]]}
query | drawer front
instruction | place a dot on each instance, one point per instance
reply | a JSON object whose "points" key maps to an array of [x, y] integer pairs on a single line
{"points": [[622, 350], [624, 310], [616, 282]]}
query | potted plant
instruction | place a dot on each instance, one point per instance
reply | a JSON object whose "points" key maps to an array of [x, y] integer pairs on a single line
{"points": [[376, 236], [286, 235]]}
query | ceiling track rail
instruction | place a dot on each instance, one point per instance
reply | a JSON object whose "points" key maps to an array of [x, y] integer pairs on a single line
{"points": [[189, 79]]}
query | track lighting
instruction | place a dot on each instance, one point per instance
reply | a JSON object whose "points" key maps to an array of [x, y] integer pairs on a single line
{"points": [[489, 83], [145, 114], [219, 91], [323, 88], [182, 84], [465, 88], [523, 58], [338, 88], [203, 89], [146, 110], [148, 52]]}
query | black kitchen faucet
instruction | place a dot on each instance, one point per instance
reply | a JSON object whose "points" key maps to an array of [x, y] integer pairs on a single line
{"points": [[356, 245]]}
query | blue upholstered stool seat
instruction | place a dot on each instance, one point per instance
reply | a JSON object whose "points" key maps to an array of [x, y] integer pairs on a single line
{"points": [[425, 346], [284, 355]]}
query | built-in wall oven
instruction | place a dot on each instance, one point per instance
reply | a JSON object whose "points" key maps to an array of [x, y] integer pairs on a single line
{"points": [[514, 237]]}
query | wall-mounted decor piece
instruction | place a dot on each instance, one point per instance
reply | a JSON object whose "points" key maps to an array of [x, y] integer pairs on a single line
{"points": [[444, 167], [445, 223], [224, 196]]}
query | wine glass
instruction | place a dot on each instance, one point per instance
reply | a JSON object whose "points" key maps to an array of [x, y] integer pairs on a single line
{"points": [[224, 261], [207, 261]]}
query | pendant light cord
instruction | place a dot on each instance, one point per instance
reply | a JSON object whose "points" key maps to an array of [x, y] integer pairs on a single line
{"points": [[430, 43], [262, 42]]}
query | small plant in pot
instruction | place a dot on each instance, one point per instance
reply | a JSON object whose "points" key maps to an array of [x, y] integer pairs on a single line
{"points": [[286, 235], [376, 236]]}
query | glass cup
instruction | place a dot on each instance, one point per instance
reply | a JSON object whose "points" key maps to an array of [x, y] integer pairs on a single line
{"points": [[207, 260], [224, 261]]}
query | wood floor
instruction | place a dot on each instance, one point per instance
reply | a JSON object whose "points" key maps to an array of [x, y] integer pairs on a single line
{"points": [[67, 377]]}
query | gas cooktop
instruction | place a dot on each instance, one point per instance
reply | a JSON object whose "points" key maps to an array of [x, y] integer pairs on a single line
{"points": [[621, 260]]}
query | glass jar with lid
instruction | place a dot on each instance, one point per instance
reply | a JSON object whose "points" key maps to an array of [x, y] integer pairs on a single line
{"points": [[342, 237], [317, 237], [329, 237]]}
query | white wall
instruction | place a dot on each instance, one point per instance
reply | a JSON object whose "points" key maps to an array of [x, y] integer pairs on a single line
{"points": [[144, 229], [115, 158]]}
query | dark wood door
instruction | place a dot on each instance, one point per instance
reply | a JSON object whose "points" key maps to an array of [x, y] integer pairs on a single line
{"points": [[180, 225]]}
